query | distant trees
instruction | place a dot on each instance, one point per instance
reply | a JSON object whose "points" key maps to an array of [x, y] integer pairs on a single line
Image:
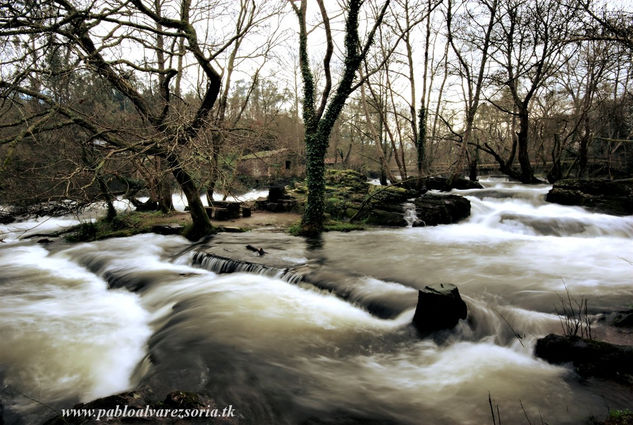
{"points": [[108, 98]]}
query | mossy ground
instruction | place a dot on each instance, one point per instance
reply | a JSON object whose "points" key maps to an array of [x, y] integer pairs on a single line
{"points": [[127, 224]]}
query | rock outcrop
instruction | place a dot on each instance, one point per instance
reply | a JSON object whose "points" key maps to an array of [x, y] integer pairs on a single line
{"points": [[350, 197], [606, 196], [434, 209], [439, 307], [589, 357]]}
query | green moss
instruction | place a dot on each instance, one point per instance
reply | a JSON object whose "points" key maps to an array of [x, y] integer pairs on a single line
{"points": [[295, 229], [342, 226]]}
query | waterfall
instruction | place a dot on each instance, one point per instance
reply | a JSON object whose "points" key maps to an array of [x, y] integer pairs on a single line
{"points": [[410, 214]]}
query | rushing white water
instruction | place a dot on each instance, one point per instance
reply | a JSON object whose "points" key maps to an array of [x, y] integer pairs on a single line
{"points": [[65, 336], [284, 352]]}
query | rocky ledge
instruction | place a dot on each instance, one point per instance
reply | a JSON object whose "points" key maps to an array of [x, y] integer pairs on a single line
{"points": [[606, 196], [589, 357], [350, 197]]}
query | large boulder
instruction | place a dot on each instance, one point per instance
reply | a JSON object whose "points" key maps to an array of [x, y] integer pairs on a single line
{"points": [[607, 196], [589, 357], [439, 307], [433, 209]]}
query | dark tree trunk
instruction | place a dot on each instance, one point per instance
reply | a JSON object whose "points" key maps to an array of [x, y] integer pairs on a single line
{"points": [[107, 196], [583, 153], [421, 141], [472, 170], [165, 201], [316, 145], [556, 172], [201, 223], [527, 173]]}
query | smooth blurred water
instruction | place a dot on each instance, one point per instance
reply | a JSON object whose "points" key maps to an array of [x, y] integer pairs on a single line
{"points": [[98, 318]]}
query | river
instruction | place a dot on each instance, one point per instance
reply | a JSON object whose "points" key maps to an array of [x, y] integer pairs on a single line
{"points": [[88, 320]]}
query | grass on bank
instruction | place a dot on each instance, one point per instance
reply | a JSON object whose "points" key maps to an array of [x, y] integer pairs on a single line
{"points": [[329, 226], [127, 224]]}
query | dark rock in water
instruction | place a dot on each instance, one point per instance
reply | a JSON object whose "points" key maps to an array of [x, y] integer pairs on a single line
{"points": [[139, 407], [44, 241], [246, 212], [6, 218], [433, 209], [624, 319], [380, 217], [168, 229], [589, 357], [382, 206], [610, 197], [439, 307]]}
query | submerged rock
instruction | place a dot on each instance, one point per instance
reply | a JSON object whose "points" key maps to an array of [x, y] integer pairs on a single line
{"points": [[606, 196], [433, 209], [589, 357], [439, 307]]}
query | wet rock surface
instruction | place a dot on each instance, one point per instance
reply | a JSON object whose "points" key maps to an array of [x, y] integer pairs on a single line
{"points": [[610, 197], [589, 357], [435, 209], [439, 307]]}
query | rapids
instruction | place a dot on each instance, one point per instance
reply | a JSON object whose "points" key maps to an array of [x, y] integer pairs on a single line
{"points": [[88, 320]]}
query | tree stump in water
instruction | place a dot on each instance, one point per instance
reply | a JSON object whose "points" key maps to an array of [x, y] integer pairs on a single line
{"points": [[439, 307]]}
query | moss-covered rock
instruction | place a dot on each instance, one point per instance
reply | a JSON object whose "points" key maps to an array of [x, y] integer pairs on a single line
{"points": [[389, 197], [350, 179], [381, 217]]}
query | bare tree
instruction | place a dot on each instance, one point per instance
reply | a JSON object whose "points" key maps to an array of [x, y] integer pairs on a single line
{"points": [[319, 118], [529, 40], [99, 35], [472, 51]]}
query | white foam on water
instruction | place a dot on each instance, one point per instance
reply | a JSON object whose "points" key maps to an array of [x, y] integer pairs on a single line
{"points": [[65, 335]]}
